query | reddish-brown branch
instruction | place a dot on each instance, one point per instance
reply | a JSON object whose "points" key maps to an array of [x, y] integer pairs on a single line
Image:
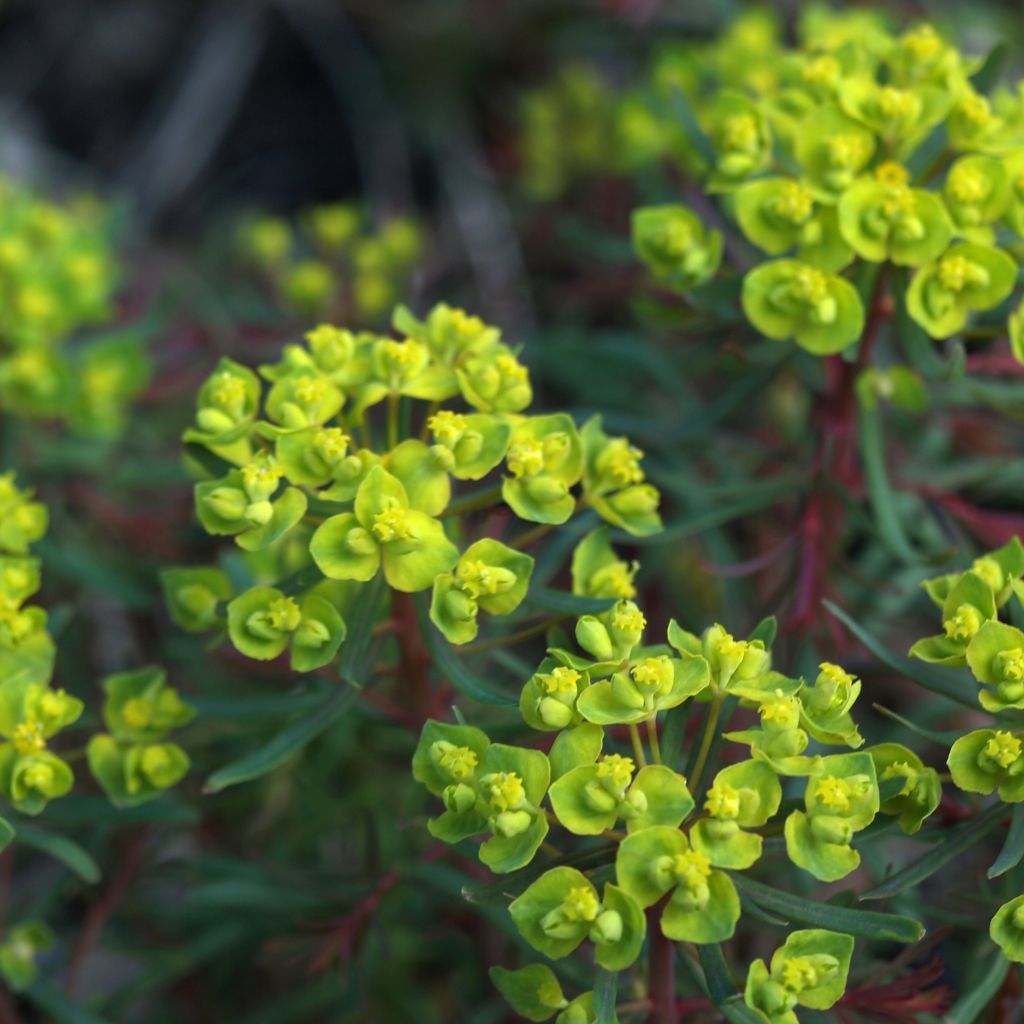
{"points": [[100, 912], [662, 978], [412, 654], [836, 468]]}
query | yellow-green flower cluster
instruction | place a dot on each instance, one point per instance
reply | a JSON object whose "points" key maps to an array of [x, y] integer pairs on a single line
{"points": [[343, 458], [989, 760], [857, 146], [58, 274], [674, 843], [333, 261], [33, 711]]}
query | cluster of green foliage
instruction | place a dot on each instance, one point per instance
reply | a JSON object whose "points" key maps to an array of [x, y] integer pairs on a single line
{"points": [[58, 275], [326, 497], [403, 554], [333, 263]]}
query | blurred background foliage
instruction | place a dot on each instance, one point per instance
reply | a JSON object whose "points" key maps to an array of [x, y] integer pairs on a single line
{"points": [[314, 893]]}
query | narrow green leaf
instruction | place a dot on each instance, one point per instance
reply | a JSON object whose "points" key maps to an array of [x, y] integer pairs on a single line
{"points": [[454, 668], [511, 885], [58, 1008], [971, 1005], [6, 832], [955, 841], [867, 923], [285, 744], [59, 847], [922, 674], [606, 988], [991, 68], [355, 651], [754, 909], [943, 738], [674, 733], [691, 126], [736, 1011], [765, 631], [1013, 846], [207, 460], [880, 495], [563, 603], [716, 971]]}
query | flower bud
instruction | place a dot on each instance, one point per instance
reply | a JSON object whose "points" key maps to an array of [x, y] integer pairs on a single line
{"points": [[459, 798], [607, 928], [592, 636], [227, 502], [360, 542], [830, 829], [259, 513], [598, 798], [554, 714]]}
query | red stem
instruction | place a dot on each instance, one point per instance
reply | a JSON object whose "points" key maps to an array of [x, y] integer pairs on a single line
{"points": [[662, 980]]}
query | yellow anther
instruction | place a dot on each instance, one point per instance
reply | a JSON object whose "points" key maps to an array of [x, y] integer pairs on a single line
{"points": [[1010, 664], [799, 973], [616, 580], [723, 801], [956, 272], [691, 868], [629, 620], [310, 390], [654, 674], [447, 426], [976, 109], [989, 571], [674, 237], [739, 132], [729, 649], [331, 444], [458, 762], [845, 150], [400, 353], [897, 103], [780, 710], [505, 791], [836, 675], [1004, 748], [810, 286], [392, 523], [834, 793], [616, 769], [263, 475], [35, 303], [28, 738], [968, 184], [560, 682], [479, 579], [822, 70], [581, 904], [137, 713], [891, 173], [510, 368], [963, 623], [227, 391], [526, 459], [284, 614], [622, 462], [793, 203]]}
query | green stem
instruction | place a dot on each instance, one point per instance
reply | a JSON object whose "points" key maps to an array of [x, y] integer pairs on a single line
{"points": [[638, 747], [392, 420], [706, 739], [503, 641], [531, 536], [652, 738], [473, 502]]}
